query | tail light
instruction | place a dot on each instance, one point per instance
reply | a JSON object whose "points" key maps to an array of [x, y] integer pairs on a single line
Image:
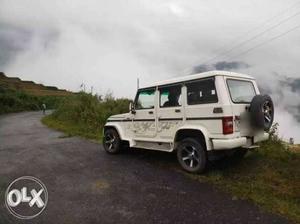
{"points": [[227, 125]]}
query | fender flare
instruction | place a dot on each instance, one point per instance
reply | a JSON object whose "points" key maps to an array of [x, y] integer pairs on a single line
{"points": [[117, 127], [120, 131], [202, 129]]}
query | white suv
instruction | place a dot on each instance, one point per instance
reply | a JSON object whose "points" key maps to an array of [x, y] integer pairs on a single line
{"points": [[195, 115]]}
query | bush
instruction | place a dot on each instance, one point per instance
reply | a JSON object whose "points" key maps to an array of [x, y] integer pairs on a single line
{"points": [[86, 113]]}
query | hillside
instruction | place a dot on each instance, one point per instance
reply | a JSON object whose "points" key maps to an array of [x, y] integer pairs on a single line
{"points": [[30, 87], [17, 95]]}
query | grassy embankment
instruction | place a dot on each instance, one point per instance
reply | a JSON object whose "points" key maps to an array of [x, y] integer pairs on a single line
{"points": [[84, 114], [17, 95], [269, 176]]}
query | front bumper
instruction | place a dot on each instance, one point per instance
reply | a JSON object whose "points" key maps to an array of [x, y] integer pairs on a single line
{"points": [[223, 144]]}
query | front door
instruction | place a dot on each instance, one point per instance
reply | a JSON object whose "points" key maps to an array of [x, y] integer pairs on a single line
{"points": [[170, 111], [144, 125]]}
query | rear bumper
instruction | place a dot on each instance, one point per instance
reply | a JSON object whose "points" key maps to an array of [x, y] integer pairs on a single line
{"points": [[223, 144]]}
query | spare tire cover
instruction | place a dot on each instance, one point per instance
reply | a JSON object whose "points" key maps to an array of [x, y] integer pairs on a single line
{"points": [[262, 112]]}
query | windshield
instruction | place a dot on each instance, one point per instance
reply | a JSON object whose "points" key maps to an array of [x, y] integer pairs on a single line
{"points": [[241, 91]]}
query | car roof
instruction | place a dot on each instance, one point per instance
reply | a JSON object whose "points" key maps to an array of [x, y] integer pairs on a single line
{"points": [[198, 76]]}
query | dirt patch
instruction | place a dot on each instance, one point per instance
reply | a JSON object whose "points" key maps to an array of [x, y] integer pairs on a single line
{"points": [[101, 184]]}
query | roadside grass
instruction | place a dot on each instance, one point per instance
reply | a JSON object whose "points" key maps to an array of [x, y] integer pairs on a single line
{"points": [[12, 100], [17, 95], [85, 114], [269, 176], [71, 128]]}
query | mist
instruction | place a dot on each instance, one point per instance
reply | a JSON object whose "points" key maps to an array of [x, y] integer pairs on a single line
{"points": [[107, 45]]}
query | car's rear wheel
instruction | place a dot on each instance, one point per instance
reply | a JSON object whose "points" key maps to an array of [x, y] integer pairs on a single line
{"points": [[111, 141], [191, 155]]}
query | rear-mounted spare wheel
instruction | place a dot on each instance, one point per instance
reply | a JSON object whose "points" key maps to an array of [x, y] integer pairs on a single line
{"points": [[262, 112]]}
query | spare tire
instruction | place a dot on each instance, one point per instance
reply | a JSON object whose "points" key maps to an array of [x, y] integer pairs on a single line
{"points": [[262, 112]]}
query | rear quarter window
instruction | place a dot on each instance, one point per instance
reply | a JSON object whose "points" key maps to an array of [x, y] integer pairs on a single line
{"points": [[241, 91]]}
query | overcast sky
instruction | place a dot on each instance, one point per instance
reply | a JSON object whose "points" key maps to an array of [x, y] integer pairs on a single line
{"points": [[108, 44]]}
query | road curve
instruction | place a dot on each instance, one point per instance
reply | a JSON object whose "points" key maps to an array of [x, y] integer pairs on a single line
{"points": [[86, 185]]}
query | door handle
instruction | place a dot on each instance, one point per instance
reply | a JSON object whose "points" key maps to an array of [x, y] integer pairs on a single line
{"points": [[150, 112], [177, 110]]}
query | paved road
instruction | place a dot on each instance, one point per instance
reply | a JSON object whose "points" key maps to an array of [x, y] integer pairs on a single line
{"points": [[86, 185]]}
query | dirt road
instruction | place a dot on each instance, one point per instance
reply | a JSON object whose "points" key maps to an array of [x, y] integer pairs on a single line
{"points": [[86, 185]]}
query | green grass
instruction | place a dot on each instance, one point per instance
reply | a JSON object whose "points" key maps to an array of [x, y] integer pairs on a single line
{"points": [[12, 100], [17, 95], [72, 128], [269, 177], [84, 114]]}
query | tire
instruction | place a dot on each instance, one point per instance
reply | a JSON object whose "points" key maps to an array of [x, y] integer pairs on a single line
{"points": [[262, 112], [191, 155], [111, 141]]}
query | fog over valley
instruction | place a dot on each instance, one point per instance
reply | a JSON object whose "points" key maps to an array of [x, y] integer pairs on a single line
{"points": [[107, 45]]}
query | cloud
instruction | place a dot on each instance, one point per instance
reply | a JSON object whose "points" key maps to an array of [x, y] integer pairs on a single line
{"points": [[285, 93], [108, 44], [288, 125], [224, 65], [221, 65], [13, 40], [202, 68]]}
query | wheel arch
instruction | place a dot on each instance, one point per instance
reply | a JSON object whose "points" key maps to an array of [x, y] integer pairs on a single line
{"points": [[117, 127], [193, 131], [119, 130]]}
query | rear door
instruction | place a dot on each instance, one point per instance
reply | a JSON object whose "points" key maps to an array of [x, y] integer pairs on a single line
{"points": [[241, 92]]}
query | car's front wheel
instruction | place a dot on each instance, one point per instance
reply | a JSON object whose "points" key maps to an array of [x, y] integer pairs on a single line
{"points": [[111, 141], [191, 155]]}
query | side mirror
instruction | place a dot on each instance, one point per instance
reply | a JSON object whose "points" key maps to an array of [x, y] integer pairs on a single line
{"points": [[131, 108]]}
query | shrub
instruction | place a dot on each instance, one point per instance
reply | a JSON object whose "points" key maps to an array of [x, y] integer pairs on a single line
{"points": [[88, 112]]}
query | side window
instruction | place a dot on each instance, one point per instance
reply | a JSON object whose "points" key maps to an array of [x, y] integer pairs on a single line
{"points": [[145, 99], [202, 91], [170, 96]]}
